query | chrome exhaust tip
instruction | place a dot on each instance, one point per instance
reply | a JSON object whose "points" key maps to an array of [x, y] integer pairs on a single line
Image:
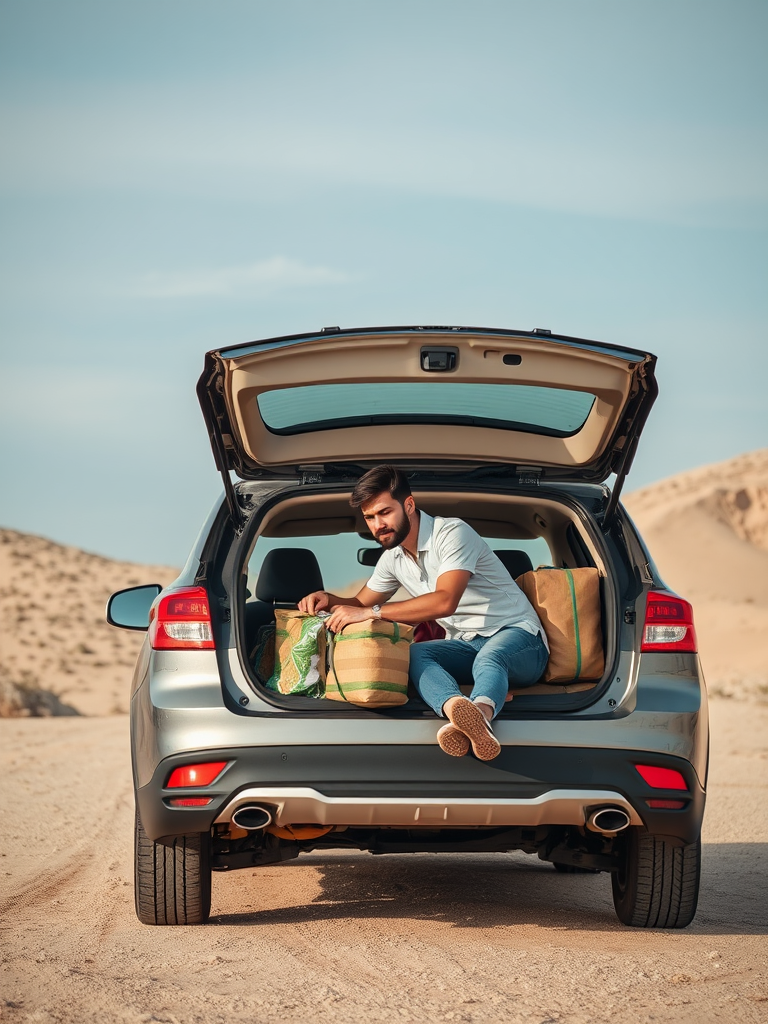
{"points": [[251, 817], [608, 820]]}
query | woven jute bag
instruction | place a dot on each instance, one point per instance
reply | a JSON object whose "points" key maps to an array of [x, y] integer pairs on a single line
{"points": [[568, 603], [368, 663]]}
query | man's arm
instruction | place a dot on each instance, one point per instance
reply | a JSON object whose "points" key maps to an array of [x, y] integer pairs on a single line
{"points": [[323, 600], [443, 602]]}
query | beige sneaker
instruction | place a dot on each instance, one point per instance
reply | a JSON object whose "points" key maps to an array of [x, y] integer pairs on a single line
{"points": [[469, 719], [452, 741]]}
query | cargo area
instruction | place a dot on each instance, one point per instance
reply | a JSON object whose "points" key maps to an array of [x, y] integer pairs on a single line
{"points": [[308, 542]]}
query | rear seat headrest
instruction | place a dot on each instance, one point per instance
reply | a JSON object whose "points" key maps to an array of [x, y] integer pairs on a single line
{"points": [[515, 562], [287, 575]]}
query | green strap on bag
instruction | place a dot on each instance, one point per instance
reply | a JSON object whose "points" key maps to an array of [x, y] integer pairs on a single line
{"points": [[569, 577]]}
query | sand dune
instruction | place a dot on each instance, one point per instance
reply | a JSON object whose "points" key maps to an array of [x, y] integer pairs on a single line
{"points": [[707, 531], [733, 493], [56, 650]]}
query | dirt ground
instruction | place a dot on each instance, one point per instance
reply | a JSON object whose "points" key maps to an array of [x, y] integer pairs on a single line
{"points": [[349, 937]]}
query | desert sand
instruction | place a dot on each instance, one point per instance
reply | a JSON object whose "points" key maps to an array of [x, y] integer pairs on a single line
{"points": [[58, 655], [348, 937]]}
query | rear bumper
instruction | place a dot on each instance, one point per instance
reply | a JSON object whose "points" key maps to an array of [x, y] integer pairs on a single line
{"points": [[290, 805], [413, 786]]}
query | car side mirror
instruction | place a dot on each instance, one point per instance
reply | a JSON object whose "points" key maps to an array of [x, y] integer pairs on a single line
{"points": [[129, 609], [369, 556]]}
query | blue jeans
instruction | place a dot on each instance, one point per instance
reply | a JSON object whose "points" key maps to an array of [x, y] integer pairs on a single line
{"points": [[490, 663]]}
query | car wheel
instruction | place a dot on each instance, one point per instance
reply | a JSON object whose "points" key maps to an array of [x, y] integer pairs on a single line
{"points": [[657, 884], [172, 883]]}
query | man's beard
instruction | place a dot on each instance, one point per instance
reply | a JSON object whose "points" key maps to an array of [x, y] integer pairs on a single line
{"points": [[398, 535]]}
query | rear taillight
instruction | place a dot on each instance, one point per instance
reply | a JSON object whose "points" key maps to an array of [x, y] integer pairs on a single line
{"points": [[668, 623], [181, 620], [195, 774], [662, 778]]}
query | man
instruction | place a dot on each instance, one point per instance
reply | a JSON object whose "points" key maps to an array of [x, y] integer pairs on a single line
{"points": [[493, 635]]}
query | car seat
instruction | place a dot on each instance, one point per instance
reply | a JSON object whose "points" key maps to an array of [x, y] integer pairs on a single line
{"points": [[514, 561], [286, 575]]}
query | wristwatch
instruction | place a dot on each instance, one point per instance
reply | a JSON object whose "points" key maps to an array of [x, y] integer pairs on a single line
{"points": [[376, 611]]}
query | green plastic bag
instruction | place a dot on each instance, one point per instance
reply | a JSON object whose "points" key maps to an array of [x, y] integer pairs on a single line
{"points": [[300, 645]]}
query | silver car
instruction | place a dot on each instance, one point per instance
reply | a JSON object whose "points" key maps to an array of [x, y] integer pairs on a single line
{"points": [[516, 432]]}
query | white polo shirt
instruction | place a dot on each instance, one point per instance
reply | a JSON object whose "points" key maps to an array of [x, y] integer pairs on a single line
{"points": [[492, 599]]}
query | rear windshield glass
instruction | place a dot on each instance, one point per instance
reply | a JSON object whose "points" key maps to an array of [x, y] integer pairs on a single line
{"points": [[299, 410]]}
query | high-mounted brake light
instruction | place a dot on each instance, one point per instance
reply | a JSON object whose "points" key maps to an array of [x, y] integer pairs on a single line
{"points": [[662, 778], [668, 624], [181, 620], [195, 774]]}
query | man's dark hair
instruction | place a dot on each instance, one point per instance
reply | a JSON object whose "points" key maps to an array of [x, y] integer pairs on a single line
{"points": [[377, 480]]}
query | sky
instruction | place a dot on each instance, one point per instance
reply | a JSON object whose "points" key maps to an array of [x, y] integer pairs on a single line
{"points": [[179, 175]]}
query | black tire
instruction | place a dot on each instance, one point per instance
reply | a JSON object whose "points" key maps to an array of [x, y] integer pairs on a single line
{"points": [[172, 883], [657, 885]]}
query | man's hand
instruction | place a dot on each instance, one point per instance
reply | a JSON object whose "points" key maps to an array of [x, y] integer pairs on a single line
{"points": [[318, 601], [343, 614]]}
